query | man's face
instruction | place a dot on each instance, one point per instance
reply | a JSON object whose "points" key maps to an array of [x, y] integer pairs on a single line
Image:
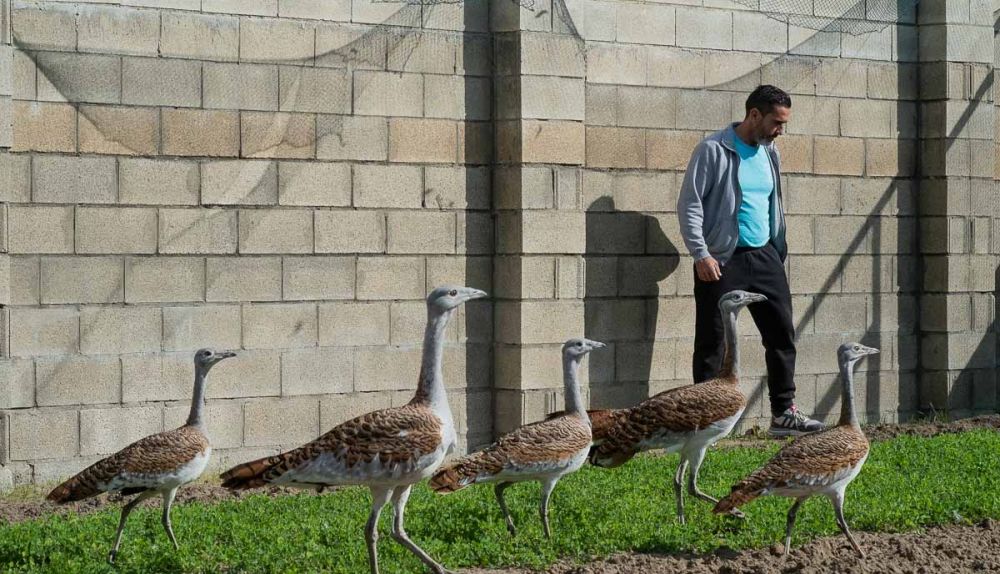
{"points": [[769, 127]]}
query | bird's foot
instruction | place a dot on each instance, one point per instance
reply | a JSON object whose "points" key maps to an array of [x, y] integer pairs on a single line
{"points": [[111, 557], [737, 513], [681, 519], [512, 530]]}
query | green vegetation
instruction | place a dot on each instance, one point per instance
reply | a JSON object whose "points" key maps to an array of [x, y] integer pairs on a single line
{"points": [[907, 483]]}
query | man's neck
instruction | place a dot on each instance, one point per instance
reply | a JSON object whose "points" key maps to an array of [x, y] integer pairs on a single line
{"points": [[745, 133]]}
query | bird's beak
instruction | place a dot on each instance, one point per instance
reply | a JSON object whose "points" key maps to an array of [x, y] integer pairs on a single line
{"points": [[871, 351], [757, 298], [224, 355], [597, 345], [477, 294]]}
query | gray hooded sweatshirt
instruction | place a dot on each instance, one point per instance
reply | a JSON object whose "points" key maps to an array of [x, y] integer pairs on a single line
{"points": [[710, 198]]}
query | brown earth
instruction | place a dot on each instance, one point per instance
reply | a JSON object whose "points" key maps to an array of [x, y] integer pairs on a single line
{"points": [[948, 549]]}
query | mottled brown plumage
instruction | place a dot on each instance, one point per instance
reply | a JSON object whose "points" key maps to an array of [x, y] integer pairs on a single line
{"points": [[153, 455], [556, 439], [397, 436]]}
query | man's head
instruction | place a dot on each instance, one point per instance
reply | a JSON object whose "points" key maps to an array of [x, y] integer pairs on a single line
{"points": [[768, 110]]}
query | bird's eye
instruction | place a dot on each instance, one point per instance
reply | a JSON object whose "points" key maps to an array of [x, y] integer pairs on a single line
{"points": [[579, 344], [453, 292]]}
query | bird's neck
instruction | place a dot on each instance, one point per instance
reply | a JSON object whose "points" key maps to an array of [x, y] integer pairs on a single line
{"points": [[198, 398], [574, 402], [430, 388], [731, 360], [847, 414]]}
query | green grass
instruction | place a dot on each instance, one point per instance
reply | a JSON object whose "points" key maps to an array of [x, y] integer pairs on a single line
{"points": [[907, 483]]}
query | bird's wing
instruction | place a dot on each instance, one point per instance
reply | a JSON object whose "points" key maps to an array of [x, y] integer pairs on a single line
{"points": [[812, 460]]}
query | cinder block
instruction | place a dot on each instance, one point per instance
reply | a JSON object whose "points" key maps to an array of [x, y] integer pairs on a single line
{"points": [[239, 182], [161, 377], [810, 42], [337, 10], [756, 32], [266, 134], [795, 74], [243, 279], [475, 143], [887, 157], [164, 279], [18, 170], [457, 187], [198, 231], [114, 330], [381, 278], [423, 51], [46, 331], [17, 384], [815, 274], [116, 230], [388, 186], [317, 372], [645, 107], [158, 181], [616, 147], [44, 127], [421, 232], [844, 78], [273, 41], [796, 153], [545, 54], [118, 30], [408, 321], [161, 82], [354, 324], [190, 328], [77, 381], [249, 374], [285, 421], [276, 231], [350, 232], [61, 438], [386, 369], [866, 118], [352, 138], [78, 77], [670, 149], [200, 37], [71, 179], [34, 229], [344, 45], [388, 94], [530, 322], [474, 233], [314, 184], [339, 409], [553, 232], [420, 140], [675, 67], [543, 142], [44, 26], [104, 431], [323, 90], [251, 7], [842, 313], [240, 86], [645, 24], [82, 280], [318, 277], [223, 421], [290, 325], [704, 28], [24, 281], [868, 45], [457, 97], [200, 132], [119, 130], [838, 156]]}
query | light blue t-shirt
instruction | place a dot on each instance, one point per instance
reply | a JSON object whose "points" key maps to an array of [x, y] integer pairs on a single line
{"points": [[757, 185]]}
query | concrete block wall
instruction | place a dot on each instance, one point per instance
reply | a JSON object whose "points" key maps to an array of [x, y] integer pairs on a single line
{"points": [[290, 178], [287, 179]]}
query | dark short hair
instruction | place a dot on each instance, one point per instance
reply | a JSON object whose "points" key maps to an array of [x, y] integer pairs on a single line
{"points": [[766, 97]]}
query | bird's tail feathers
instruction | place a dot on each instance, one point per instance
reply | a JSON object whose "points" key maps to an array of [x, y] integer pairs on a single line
{"points": [[251, 474], [459, 474]]}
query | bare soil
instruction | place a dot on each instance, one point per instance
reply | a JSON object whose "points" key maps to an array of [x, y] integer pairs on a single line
{"points": [[936, 550]]}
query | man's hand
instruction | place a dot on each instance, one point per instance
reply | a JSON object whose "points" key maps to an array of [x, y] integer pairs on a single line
{"points": [[708, 269]]}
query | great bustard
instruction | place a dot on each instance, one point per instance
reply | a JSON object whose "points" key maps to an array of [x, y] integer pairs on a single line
{"points": [[821, 463], [687, 419], [157, 464], [544, 451], [388, 450]]}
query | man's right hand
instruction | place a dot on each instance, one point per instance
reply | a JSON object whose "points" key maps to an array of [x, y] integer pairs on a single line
{"points": [[708, 269]]}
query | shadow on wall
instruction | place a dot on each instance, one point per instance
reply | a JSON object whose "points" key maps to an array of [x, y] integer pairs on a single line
{"points": [[627, 258]]}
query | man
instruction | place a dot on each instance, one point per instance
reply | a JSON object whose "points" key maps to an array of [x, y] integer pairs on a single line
{"points": [[733, 224]]}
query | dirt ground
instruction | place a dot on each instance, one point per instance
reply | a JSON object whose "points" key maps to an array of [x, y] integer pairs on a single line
{"points": [[33, 505], [950, 549]]}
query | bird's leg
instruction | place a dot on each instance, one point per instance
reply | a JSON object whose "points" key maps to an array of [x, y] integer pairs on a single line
{"points": [[126, 510], [838, 509], [168, 501], [696, 459], [679, 488], [399, 532], [498, 490], [547, 487], [791, 523], [380, 496]]}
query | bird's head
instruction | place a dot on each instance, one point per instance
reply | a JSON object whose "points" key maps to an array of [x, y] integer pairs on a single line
{"points": [[850, 353], [579, 347], [205, 359], [738, 299], [448, 297]]}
